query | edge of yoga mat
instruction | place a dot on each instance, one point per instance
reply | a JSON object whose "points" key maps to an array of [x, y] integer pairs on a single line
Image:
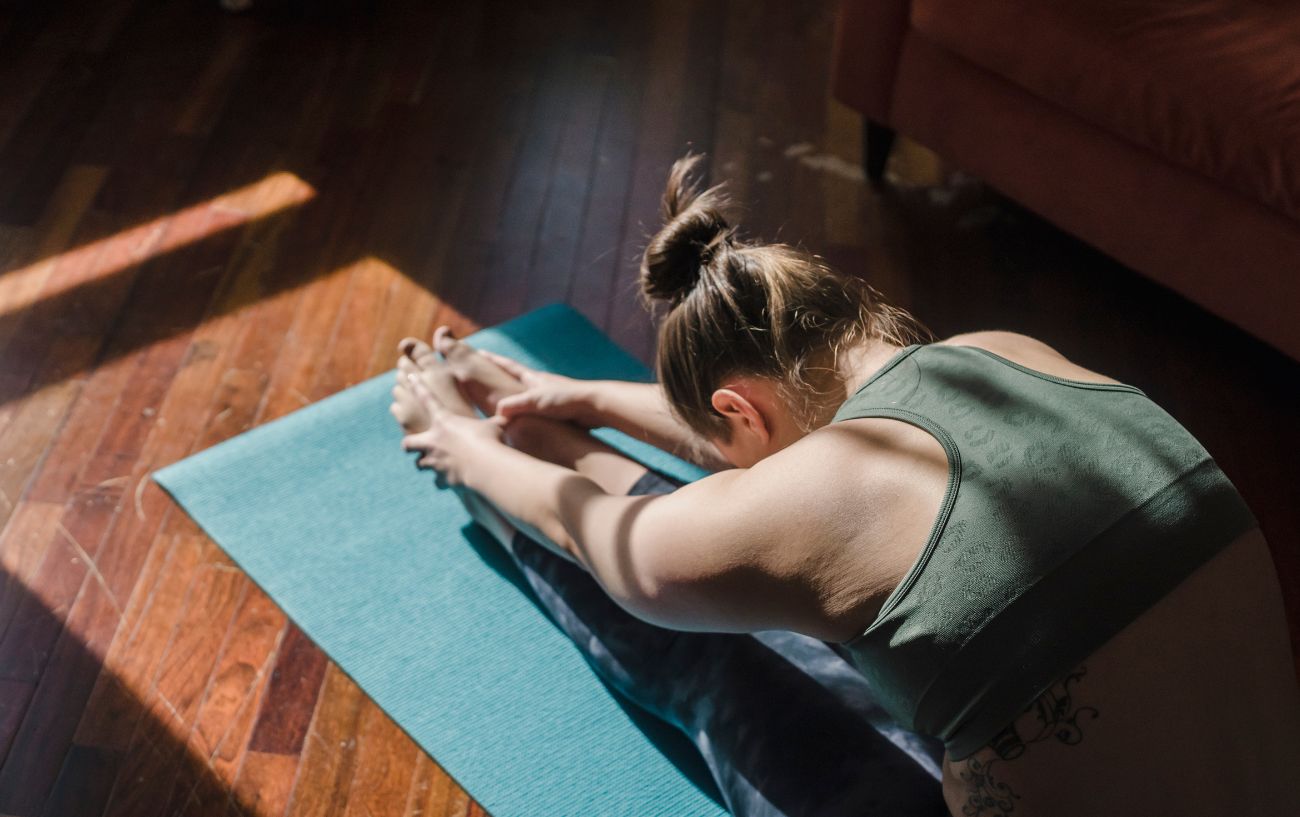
{"points": [[467, 664]]}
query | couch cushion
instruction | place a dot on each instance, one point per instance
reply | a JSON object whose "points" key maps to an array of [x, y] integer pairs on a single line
{"points": [[1212, 85]]}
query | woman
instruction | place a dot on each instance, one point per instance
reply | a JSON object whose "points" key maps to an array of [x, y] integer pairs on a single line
{"points": [[1025, 559]]}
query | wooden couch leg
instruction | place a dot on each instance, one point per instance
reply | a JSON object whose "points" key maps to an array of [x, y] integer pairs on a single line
{"points": [[877, 141]]}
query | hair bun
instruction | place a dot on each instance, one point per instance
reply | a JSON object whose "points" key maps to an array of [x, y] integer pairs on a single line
{"points": [[694, 228]]}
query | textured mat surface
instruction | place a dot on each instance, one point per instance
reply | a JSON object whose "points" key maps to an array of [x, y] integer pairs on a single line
{"points": [[425, 612]]}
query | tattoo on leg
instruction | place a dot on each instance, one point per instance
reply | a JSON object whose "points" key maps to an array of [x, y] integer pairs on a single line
{"points": [[987, 795], [1055, 715]]}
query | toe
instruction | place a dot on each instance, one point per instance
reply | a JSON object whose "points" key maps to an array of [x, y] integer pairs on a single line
{"points": [[461, 357], [450, 347], [418, 351], [443, 339]]}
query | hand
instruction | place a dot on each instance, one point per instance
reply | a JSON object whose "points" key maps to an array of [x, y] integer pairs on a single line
{"points": [[452, 441], [546, 395]]}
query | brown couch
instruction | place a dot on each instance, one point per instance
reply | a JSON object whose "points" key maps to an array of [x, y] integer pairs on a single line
{"points": [[1164, 132]]}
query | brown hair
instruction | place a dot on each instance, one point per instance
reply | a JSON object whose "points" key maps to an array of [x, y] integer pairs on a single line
{"points": [[737, 307]]}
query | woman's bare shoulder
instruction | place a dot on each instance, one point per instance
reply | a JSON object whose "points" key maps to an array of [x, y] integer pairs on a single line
{"points": [[1028, 352]]}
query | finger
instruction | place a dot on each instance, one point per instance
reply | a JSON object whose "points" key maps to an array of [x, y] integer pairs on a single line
{"points": [[516, 404], [512, 367], [417, 442]]}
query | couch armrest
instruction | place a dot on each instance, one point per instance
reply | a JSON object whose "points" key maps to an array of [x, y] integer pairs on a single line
{"points": [[864, 54]]}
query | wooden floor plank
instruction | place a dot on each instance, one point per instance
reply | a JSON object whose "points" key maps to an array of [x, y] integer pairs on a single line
{"points": [[202, 105], [31, 528], [659, 143], [112, 717], [600, 259], [17, 696], [146, 784], [492, 170], [28, 436], [347, 355], [189, 660], [384, 768], [42, 743], [38, 152], [264, 785], [38, 617], [435, 794], [504, 286], [59, 475], [287, 709], [231, 749], [297, 368], [52, 236], [28, 70], [83, 784], [554, 256], [329, 755]]}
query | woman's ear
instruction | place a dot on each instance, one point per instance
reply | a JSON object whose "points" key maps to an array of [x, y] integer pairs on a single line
{"points": [[741, 414]]}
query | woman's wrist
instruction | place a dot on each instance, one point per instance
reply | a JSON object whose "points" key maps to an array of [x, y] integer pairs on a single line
{"points": [[596, 404]]}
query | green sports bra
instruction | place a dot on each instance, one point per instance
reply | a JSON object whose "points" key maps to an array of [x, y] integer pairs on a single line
{"points": [[1071, 508]]}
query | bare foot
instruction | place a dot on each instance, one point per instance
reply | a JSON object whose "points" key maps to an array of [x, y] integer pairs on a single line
{"points": [[483, 381], [409, 411], [412, 411]]}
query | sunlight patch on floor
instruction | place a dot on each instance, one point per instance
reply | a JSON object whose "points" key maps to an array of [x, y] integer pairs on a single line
{"points": [[56, 275]]}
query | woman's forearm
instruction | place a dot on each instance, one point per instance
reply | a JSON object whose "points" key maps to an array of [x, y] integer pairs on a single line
{"points": [[572, 512], [503, 526], [526, 490], [641, 410]]}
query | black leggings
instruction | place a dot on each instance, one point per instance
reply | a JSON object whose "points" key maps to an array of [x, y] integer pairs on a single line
{"points": [[784, 724]]}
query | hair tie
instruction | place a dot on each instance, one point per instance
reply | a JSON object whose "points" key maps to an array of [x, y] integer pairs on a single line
{"points": [[709, 249]]}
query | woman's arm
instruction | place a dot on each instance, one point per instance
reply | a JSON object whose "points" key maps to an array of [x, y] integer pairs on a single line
{"points": [[713, 555], [639, 410], [570, 511]]}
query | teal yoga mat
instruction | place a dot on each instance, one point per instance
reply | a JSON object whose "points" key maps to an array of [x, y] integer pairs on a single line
{"points": [[387, 574]]}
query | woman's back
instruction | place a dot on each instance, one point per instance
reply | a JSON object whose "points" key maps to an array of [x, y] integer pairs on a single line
{"points": [[1073, 600]]}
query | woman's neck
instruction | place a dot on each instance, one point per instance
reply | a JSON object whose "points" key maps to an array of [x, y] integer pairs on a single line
{"points": [[860, 363], [854, 367]]}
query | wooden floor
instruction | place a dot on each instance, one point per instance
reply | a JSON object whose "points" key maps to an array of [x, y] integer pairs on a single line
{"points": [[207, 222]]}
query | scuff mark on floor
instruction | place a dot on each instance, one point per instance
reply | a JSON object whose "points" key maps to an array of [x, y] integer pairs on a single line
{"points": [[807, 155]]}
